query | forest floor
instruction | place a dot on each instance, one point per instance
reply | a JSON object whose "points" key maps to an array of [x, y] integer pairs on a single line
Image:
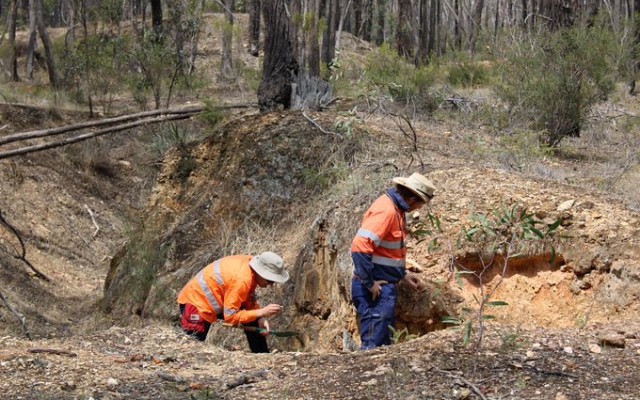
{"points": [[76, 205]]}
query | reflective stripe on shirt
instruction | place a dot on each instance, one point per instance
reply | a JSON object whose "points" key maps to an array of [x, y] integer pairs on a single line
{"points": [[387, 262], [205, 289]]}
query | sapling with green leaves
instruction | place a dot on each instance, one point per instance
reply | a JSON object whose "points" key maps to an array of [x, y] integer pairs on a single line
{"points": [[507, 233]]}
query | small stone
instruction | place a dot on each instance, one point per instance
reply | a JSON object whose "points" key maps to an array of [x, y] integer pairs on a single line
{"points": [[568, 350], [594, 348]]}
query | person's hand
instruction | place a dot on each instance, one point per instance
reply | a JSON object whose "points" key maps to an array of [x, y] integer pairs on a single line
{"points": [[270, 310], [376, 288], [263, 323], [414, 281]]}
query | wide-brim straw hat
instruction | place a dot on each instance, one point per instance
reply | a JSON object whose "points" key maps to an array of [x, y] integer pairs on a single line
{"points": [[270, 266], [418, 184]]}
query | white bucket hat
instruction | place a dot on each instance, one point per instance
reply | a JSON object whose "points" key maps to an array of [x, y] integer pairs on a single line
{"points": [[418, 184], [270, 266]]}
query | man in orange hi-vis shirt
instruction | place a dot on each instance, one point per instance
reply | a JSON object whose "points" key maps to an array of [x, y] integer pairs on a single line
{"points": [[225, 290], [378, 252]]}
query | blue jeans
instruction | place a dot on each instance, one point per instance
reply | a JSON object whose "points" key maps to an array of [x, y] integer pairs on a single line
{"points": [[375, 316]]}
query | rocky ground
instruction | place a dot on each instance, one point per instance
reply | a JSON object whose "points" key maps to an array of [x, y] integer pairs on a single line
{"points": [[158, 362]]}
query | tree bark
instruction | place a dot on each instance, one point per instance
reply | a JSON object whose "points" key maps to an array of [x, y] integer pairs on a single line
{"points": [[422, 54], [405, 31], [226, 71], [46, 43], [253, 8], [31, 46], [280, 67], [313, 59], [329, 37], [156, 17], [379, 28], [12, 17]]}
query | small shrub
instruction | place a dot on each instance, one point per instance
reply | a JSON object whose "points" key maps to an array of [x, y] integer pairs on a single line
{"points": [[211, 114], [468, 73], [553, 79], [392, 76], [400, 336]]}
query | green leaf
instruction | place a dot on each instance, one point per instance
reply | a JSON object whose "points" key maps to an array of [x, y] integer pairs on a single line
{"points": [[488, 317], [470, 232], [466, 336], [451, 320], [496, 303], [537, 232], [554, 226]]}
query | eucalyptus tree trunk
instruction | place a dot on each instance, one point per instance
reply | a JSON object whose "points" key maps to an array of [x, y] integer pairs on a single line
{"points": [[176, 15], [46, 43], [156, 17], [635, 21], [280, 67], [329, 36], [476, 18], [313, 57], [253, 9], [298, 9], [12, 17], [357, 18], [71, 20], [379, 18], [226, 72], [367, 20], [404, 38], [344, 14], [433, 28], [31, 45], [422, 54]]}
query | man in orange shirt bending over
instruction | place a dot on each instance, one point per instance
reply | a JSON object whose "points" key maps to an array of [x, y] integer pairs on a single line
{"points": [[225, 289]]}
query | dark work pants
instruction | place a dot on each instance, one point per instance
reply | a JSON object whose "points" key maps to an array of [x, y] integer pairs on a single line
{"points": [[257, 342], [375, 316]]}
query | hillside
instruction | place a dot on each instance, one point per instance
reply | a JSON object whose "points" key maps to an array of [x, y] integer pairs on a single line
{"points": [[94, 214]]}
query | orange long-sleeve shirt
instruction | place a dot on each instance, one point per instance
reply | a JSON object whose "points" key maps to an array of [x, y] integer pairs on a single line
{"points": [[225, 287]]}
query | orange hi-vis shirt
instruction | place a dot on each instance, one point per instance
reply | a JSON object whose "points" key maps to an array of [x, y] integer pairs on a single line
{"points": [[379, 248], [225, 287]]}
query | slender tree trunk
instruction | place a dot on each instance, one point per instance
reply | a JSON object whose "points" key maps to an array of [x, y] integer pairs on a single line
{"points": [[195, 39], [71, 19], [12, 17], [422, 55], [635, 20], [313, 59], [226, 72], [329, 36], [46, 43], [156, 17], [379, 17], [176, 13], [457, 38], [280, 67], [367, 20], [477, 22], [357, 18], [433, 28], [31, 46], [343, 17], [405, 31], [253, 8]]}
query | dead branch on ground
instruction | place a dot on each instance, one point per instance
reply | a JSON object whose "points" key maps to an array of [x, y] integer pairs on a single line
{"points": [[130, 121], [20, 317], [22, 255], [54, 351]]}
